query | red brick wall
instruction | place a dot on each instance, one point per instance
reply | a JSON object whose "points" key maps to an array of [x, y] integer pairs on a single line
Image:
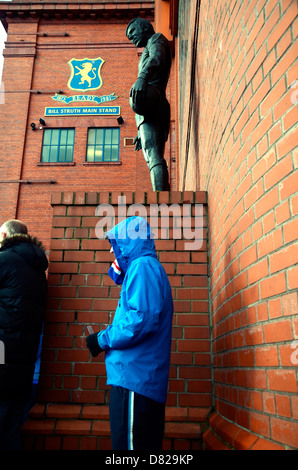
{"points": [[81, 294], [241, 149]]}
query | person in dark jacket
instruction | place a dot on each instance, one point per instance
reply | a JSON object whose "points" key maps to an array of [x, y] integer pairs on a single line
{"points": [[138, 343], [23, 288]]}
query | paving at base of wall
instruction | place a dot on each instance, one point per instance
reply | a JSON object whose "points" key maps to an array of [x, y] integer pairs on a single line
{"points": [[87, 427]]}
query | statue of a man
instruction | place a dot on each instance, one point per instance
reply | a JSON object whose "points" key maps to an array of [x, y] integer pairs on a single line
{"points": [[148, 98]]}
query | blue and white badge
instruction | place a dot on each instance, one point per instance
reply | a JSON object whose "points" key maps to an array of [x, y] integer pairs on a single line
{"points": [[85, 74]]}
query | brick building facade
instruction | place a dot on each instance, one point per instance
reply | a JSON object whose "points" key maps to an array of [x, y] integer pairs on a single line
{"points": [[232, 147], [42, 40]]}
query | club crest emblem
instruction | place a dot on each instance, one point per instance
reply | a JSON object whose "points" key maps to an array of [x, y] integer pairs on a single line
{"points": [[85, 74]]}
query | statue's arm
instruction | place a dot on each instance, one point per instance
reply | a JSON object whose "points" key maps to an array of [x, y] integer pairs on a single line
{"points": [[137, 143]]}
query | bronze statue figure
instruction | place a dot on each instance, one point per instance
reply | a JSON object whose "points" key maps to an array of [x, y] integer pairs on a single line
{"points": [[148, 98]]}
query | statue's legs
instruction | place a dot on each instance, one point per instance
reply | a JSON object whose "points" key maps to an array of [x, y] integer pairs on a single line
{"points": [[159, 177], [153, 146]]}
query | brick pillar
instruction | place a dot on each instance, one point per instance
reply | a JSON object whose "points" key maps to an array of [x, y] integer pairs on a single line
{"points": [[17, 80], [238, 138], [81, 294]]}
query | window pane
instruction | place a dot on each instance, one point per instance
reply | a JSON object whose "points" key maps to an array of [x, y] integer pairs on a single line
{"points": [[108, 137], [99, 136], [62, 151], [53, 153], [47, 136], [69, 154], [107, 153], [70, 138], [114, 156], [98, 153], [63, 137], [91, 136], [55, 136], [45, 154], [115, 137], [90, 154]]}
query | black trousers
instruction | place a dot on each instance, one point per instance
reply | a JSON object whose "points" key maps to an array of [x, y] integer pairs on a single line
{"points": [[11, 420], [137, 422]]}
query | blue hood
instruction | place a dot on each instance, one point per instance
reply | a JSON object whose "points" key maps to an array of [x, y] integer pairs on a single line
{"points": [[131, 239]]}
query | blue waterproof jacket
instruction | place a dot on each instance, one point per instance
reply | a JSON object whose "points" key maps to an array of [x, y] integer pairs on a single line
{"points": [[138, 342]]}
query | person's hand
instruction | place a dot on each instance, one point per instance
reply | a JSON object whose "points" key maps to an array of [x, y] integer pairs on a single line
{"points": [[92, 344], [137, 143], [137, 92]]}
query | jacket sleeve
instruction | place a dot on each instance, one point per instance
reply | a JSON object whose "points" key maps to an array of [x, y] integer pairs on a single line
{"points": [[3, 267], [139, 310]]}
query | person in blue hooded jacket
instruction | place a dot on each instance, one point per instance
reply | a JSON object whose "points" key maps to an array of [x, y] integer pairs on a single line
{"points": [[137, 344]]}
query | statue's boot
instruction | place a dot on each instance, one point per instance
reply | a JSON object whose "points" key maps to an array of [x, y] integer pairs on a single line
{"points": [[153, 145], [160, 177]]}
